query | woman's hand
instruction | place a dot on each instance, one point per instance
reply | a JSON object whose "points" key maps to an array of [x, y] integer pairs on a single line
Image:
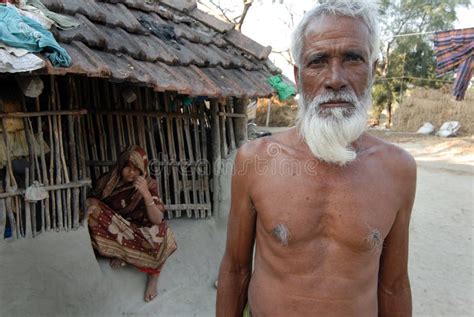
{"points": [[142, 187], [92, 205]]}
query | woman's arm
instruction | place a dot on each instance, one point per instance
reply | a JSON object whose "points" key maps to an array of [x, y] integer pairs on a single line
{"points": [[154, 212]]}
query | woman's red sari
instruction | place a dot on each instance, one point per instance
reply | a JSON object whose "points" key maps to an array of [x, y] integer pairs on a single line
{"points": [[119, 226]]}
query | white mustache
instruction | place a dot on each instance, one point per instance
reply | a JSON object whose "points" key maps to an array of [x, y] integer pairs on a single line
{"points": [[331, 96]]}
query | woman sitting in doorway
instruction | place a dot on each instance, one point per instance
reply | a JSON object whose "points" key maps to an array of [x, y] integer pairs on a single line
{"points": [[126, 218]]}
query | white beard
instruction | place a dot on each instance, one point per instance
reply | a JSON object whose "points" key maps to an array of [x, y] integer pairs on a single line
{"points": [[329, 132]]}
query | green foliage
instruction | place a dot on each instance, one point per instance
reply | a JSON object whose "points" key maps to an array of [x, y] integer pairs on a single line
{"points": [[379, 99], [410, 60]]}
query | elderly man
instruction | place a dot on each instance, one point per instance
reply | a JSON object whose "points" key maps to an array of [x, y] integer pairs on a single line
{"points": [[327, 205]]}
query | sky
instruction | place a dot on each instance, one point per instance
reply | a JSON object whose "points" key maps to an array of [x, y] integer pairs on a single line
{"points": [[269, 23]]}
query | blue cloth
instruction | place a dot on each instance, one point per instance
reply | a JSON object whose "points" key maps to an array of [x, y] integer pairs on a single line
{"points": [[22, 32]]}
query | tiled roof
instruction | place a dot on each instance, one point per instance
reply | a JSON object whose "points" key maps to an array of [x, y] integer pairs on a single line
{"points": [[169, 45]]}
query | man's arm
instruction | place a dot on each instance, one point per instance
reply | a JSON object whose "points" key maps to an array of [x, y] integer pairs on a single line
{"points": [[394, 294], [236, 265]]}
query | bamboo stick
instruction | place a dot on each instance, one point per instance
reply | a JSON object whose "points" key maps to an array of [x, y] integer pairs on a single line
{"points": [[197, 125], [30, 141], [149, 113], [64, 174], [141, 123], [178, 207], [182, 158], [241, 123], [30, 220], [205, 159], [216, 154], [3, 218], [77, 184], [230, 125], [43, 113], [73, 122], [172, 155], [74, 171], [231, 115], [105, 145], [57, 172], [223, 138], [35, 155], [19, 218], [28, 225], [67, 195], [54, 155], [45, 212], [11, 218], [83, 150], [84, 155], [92, 145], [153, 143], [36, 168], [99, 123], [116, 101], [10, 183], [84, 203], [130, 126], [192, 166], [164, 157], [52, 147], [111, 132]]}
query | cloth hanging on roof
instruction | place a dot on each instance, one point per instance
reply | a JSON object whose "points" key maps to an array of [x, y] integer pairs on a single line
{"points": [[283, 89], [35, 14], [454, 52], [22, 32], [61, 21], [10, 63], [18, 52]]}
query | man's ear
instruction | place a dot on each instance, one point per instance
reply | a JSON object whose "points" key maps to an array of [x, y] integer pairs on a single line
{"points": [[296, 73]]}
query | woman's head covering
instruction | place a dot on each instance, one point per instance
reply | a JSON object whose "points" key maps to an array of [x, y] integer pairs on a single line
{"points": [[135, 155], [109, 182]]}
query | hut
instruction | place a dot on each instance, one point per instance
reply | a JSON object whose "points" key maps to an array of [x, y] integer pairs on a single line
{"points": [[161, 74]]}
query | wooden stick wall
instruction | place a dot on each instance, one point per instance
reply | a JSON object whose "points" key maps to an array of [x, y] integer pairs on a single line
{"points": [[79, 126], [55, 165], [174, 136]]}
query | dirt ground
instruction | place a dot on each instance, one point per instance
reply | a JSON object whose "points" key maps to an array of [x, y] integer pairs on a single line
{"points": [[56, 274]]}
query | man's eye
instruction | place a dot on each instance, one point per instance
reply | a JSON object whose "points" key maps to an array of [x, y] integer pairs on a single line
{"points": [[354, 57], [316, 61]]}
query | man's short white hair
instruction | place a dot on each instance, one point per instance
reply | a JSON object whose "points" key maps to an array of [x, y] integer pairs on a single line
{"points": [[366, 10]]}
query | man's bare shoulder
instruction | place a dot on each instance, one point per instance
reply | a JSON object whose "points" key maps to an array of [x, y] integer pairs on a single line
{"points": [[267, 146], [393, 157]]}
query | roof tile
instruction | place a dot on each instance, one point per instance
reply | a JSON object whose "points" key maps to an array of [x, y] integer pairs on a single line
{"points": [[246, 44], [189, 52]]}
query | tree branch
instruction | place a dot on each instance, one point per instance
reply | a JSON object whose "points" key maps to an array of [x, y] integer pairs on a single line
{"points": [[222, 11], [247, 5]]}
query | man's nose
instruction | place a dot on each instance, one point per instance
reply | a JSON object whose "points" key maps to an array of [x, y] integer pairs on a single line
{"points": [[336, 78]]}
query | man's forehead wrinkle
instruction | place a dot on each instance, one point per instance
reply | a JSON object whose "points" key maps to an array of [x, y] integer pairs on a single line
{"points": [[319, 36], [328, 47]]}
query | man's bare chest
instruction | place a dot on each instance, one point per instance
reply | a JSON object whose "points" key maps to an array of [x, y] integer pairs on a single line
{"points": [[353, 213]]}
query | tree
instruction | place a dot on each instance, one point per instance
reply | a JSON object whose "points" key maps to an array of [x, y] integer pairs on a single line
{"points": [[284, 12], [406, 59], [225, 12]]}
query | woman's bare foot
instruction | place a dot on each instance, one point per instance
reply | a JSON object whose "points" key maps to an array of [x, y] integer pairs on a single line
{"points": [[117, 263], [151, 287]]}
